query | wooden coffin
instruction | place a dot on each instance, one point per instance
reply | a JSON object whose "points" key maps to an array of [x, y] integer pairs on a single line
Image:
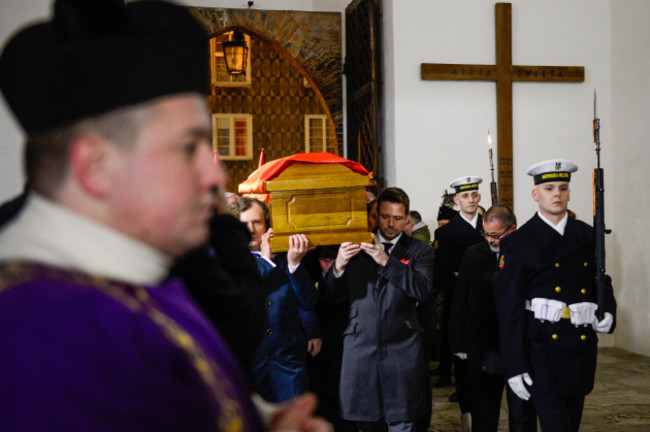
{"points": [[317, 194]]}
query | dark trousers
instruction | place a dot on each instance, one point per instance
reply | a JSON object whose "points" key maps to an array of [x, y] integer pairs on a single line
{"points": [[559, 414], [422, 424], [486, 392], [445, 355], [522, 416], [463, 388]]}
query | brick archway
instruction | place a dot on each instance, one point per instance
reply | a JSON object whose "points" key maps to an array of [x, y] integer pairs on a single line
{"points": [[311, 40]]}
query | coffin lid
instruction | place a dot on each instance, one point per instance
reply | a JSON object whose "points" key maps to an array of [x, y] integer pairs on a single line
{"points": [[304, 171]]}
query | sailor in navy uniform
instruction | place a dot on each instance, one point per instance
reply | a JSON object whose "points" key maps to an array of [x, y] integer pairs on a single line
{"points": [[450, 242], [546, 302]]}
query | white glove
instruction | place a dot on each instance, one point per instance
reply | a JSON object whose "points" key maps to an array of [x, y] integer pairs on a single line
{"points": [[517, 385], [539, 306], [462, 356], [605, 325], [546, 309], [583, 313], [555, 309]]}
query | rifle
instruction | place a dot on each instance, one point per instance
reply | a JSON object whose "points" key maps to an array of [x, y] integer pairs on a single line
{"points": [[599, 218], [493, 184]]}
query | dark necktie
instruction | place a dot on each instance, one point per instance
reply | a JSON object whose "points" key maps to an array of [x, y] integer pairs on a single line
{"points": [[387, 246]]}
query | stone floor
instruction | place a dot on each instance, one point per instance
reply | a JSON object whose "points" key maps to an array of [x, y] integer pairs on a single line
{"points": [[620, 401]]}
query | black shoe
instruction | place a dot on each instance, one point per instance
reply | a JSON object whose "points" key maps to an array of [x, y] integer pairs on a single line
{"points": [[453, 397], [444, 381]]}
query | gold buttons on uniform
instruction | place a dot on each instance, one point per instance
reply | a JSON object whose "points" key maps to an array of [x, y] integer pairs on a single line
{"points": [[586, 264], [557, 265], [558, 289], [583, 337], [268, 303], [269, 331], [584, 291], [554, 336]]}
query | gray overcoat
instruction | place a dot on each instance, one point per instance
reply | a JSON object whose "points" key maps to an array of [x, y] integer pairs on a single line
{"points": [[384, 371]]}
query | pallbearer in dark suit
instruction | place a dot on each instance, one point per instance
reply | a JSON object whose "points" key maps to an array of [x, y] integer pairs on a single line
{"points": [[384, 367], [547, 304], [450, 242]]}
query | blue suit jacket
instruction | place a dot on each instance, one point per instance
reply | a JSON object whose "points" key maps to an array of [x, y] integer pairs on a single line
{"points": [[279, 364]]}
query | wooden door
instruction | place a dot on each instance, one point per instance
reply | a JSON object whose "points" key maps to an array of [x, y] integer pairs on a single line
{"points": [[364, 82]]}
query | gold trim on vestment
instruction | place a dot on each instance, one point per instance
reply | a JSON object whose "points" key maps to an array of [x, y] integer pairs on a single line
{"points": [[137, 299]]}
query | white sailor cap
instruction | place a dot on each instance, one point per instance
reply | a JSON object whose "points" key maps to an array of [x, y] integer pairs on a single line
{"points": [[552, 170], [468, 183]]}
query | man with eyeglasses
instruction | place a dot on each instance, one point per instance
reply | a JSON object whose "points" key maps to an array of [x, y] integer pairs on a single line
{"points": [[474, 333], [450, 243], [546, 304]]}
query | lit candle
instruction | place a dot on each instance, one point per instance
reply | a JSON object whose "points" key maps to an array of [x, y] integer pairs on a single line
{"points": [[489, 139]]}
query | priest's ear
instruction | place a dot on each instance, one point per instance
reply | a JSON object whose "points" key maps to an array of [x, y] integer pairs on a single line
{"points": [[90, 159]]}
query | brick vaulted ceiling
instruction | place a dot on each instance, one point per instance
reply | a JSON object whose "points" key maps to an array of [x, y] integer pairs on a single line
{"points": [[311, 40]]}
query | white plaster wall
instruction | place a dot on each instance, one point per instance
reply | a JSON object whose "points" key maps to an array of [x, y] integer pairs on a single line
{"points": [[440, 127], [437, 129], [13, 15], [631, 158]]}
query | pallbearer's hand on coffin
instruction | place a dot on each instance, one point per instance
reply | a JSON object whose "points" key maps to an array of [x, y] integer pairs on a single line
{"points": [[375, 250], [298, 248], [265, 244], [346, 251]]}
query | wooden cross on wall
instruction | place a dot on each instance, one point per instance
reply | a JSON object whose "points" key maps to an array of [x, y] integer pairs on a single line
{"points": [[504, 73]]}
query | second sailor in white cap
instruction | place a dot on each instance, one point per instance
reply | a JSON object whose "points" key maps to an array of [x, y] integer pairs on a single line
{"points": [[450, 242]]}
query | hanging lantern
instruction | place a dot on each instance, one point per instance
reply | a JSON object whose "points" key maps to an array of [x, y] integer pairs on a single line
{"points": [[235, 53]]}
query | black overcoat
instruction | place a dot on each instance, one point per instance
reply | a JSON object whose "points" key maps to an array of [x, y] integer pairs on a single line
{"points": [[473, 322]]}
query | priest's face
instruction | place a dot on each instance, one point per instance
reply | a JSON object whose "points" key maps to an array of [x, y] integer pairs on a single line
{"points": [[392, 219], [162, 190], [552, 198]]}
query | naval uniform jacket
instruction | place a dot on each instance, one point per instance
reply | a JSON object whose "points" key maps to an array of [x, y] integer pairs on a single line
{"points": [[384, 370], [450, 242], [536, 261]]}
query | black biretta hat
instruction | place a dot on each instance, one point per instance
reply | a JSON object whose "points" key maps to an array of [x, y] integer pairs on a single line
{"points": [[96, 56]]}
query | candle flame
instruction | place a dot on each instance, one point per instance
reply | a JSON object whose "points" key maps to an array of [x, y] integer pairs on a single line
{"points": [[489, 141]]}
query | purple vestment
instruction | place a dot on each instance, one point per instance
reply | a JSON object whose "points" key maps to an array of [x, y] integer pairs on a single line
{"points": [[86, 354]]}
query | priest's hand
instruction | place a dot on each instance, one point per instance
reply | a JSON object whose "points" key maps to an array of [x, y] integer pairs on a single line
{"points": [[518, 385], [347, 250], [376, 251], [297, 415]]}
